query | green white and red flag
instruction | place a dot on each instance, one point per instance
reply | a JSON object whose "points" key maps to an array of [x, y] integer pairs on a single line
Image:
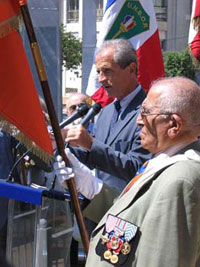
{"points": [[194, 32], [133, 20]]}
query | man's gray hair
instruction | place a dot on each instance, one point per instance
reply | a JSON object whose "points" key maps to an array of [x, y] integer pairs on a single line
{"points": [[124, 53], [181, 96]]}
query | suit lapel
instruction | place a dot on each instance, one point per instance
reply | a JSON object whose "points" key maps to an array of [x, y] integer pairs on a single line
{"points": [[120, 126], [106, 122], [127, 115]]}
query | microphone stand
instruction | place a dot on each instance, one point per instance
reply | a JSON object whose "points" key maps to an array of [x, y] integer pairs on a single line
{"points": [[10, 175]]}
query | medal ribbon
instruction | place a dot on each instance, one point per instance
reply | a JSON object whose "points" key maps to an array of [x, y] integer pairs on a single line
{"points": [[120, 227], [138, 175]]}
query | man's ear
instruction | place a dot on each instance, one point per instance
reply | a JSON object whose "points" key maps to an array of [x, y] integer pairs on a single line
{"points": [[132, 67], [175, 126]]}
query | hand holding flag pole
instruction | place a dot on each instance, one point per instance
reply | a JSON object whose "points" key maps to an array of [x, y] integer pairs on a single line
{"points": [[52, 114]]}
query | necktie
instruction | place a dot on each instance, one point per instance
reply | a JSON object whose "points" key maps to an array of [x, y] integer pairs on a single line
{"points": [[116, 112], [138, 175]]}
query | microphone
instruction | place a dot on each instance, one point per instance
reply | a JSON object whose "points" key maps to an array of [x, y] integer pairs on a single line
{"points": [[91, 113], [81, 111]]}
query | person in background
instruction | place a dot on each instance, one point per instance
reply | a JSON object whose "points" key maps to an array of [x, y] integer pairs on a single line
{"points": [[156, 219], [8, 156], [10, 150], [36, 169], [73, 101]]}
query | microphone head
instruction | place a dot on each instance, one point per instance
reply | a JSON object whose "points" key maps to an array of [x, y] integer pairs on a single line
{"points": [[91, 113], [80, 112], [82, 109], [96, 107]]}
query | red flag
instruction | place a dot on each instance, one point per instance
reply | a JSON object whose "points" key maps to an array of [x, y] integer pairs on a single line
{"points": [[133, 20], [20, 111], [194, 33]]}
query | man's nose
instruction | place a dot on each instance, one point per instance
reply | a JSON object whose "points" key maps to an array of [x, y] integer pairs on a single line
{"points": [[139, 120], [102, 77]]}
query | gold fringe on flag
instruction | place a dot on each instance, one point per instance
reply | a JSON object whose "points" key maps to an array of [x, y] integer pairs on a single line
{"points": [[89, 100], [9, 25], [23, 139]]}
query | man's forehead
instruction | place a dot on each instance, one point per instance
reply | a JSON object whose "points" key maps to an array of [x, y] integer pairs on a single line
{"points": [[106, 52], [104, 64], [151, 101], [76, 100], [105, 55]]}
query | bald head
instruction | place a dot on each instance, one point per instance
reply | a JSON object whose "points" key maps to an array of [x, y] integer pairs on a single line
{"points": [[179, 95], [170, 114]]}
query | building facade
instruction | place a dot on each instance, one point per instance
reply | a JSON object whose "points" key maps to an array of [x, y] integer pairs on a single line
{"points": [[173, 17], [46, 20]]}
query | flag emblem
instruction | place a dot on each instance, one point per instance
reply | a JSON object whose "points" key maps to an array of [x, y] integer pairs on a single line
{"points": [[131, 21]]}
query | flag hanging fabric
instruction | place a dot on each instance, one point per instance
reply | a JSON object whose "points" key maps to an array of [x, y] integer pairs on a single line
{"points": [[194, 32], [133, 20], [20, 110]]}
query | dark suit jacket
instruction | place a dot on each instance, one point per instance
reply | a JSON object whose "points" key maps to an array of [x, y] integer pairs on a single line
{"points": [[117, 157]]}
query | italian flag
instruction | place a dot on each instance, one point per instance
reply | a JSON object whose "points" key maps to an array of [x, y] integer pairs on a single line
{"points": [[194, 32], [20, 110], [133, 20]]}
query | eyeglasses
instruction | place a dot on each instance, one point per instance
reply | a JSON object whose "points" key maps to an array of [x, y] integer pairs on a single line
{"points": [[74, 107], [145, 114]]}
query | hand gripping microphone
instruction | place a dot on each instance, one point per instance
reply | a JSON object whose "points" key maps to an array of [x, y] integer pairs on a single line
{"points": [[81, 111], [91, 113]]}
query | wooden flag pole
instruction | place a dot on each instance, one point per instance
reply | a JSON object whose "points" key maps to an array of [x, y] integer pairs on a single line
{"points": [[52, 114]]}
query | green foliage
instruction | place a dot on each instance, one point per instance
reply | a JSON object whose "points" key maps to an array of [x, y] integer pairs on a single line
{"points": [[71, 50], [179, 63]]}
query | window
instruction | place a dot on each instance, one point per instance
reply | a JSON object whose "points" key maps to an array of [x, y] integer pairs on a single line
{"points": [[160, 10], [99, 10], [72, 10], [71, 90], [158, 3]]}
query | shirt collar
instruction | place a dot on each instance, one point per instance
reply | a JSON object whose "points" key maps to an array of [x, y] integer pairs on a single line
{"points": [[161, 158], [174, 149], [127, 99]]}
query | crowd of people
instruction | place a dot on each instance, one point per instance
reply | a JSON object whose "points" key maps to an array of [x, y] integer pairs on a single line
{"points": [[138, 166]]}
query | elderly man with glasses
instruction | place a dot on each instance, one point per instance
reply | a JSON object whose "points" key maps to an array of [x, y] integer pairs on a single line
{"points": [[156, 220]]}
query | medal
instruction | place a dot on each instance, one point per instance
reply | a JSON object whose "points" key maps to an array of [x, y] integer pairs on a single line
{"points": [[114, 258], [104, 238], [107, 254], [114, 244], [126, 248]]}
